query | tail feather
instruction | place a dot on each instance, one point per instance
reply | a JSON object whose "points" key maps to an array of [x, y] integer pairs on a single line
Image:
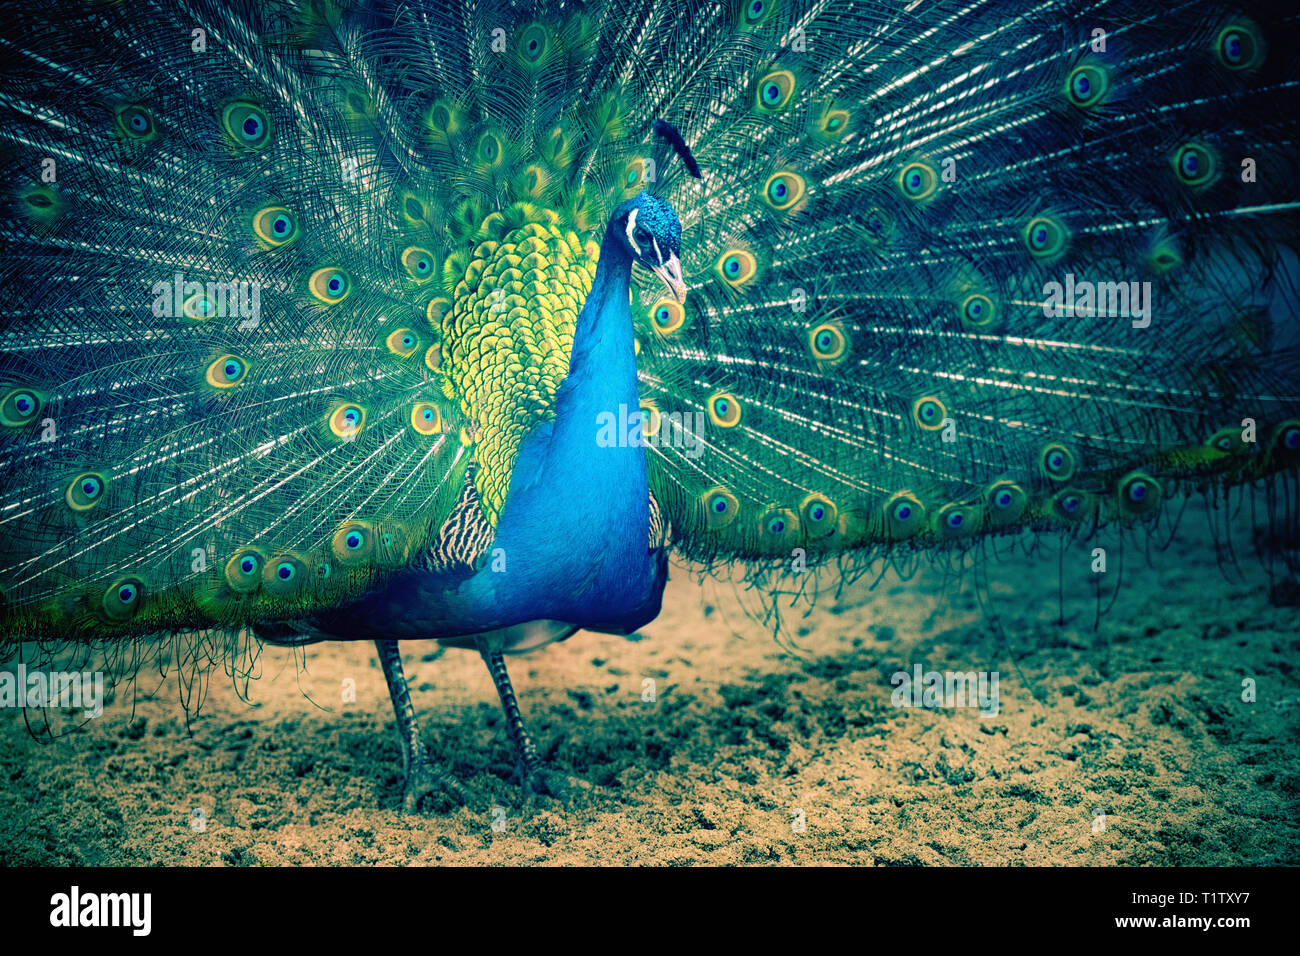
{"points": [[245, 243]]}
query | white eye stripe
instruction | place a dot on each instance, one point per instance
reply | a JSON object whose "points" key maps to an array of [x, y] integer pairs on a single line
{"points": [[631, 224], [658, 255]]}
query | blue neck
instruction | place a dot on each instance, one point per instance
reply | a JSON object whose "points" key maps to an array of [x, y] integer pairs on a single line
{"points": [[602, 362], [576, 519]]}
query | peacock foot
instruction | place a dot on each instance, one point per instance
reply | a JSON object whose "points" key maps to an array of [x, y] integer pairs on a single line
{"points": [[429, 785], [549, 782]]}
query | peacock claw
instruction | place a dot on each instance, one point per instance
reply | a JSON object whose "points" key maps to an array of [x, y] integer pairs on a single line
{"points": [[425, 781], [546, 781]]}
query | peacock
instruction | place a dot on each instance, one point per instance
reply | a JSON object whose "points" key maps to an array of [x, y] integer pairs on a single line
{"points": [[404, 320]]}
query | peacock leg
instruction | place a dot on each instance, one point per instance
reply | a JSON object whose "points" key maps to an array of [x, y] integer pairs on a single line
{"points": [[423, 776], [534, 775]]}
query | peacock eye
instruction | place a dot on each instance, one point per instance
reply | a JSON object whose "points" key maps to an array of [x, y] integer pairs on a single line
{"points": [[275, 225], [19, 407], [782, 191], [418, 262], [489, 149], [1194, 164], [919, 180], [1086, 85], [929, 413], [1237, 48], [226, 371], [246, 124], [1044, 237], [122, 599], [737, 267], [776, 90], [720, 508], [403, 342], [668, 316], [1291, 438], [347, 421], [199, 307], [426, 419], [1008, 501], [136, 122], [1057, 462], [1139, 494], [724, 410], [85, 491], [827, 342], [330, 285], [533, 44], [977, 310]]}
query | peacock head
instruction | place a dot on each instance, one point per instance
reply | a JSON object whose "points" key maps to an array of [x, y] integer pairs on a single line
{"points": [[649, 228]]}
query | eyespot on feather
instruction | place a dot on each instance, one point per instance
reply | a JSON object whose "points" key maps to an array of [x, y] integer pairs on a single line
{"points": [[667, 316], [243, 572], [818, 515], [426, 418], [353, 542], [737, 267], [246, 125], [1045, 237], [929, 413], [86, 490], [1005, 502], [720, 508], [347, 420], [330, 285], [904, 515], [1057, 462], [775, 91], [918, 181], [122, 599], [20, 406], [828, 343], [284, 575], [226, 372], [275, 226], [724, 410], [402, 342]]}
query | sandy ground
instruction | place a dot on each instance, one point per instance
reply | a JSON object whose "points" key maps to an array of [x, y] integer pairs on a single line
{"points": [[750, 753]]}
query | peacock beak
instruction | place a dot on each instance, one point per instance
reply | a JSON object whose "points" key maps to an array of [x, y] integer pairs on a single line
{"points": [[670, 270]]}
